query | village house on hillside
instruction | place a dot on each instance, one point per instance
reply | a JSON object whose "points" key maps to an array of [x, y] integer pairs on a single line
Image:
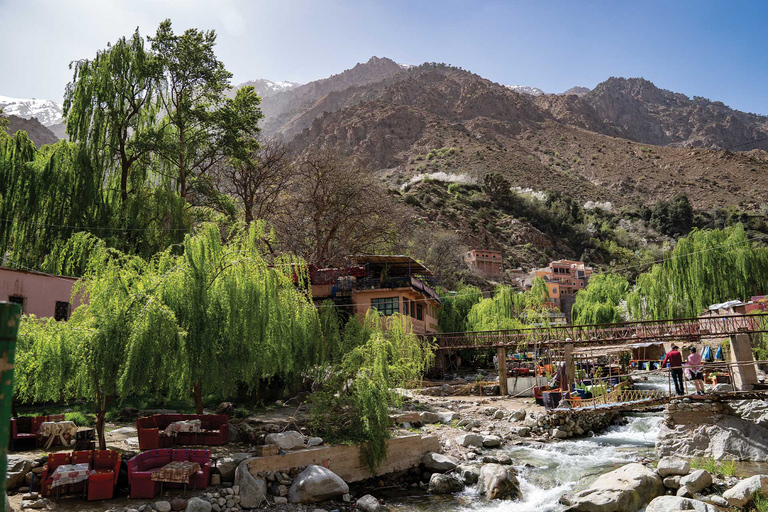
{"points": [[38, 293], [485, 262], [391, 284], [564, 278]]}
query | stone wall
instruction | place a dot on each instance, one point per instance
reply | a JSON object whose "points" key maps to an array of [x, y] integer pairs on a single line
{"points": [[564, 424]]}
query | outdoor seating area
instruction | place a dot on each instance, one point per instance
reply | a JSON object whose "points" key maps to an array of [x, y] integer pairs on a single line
{"points": [[28, 428], [92, 472], [166, 430], [150, 470]]}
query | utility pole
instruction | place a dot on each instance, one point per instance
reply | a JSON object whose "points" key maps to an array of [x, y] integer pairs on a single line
{"points": [[10, 317]]}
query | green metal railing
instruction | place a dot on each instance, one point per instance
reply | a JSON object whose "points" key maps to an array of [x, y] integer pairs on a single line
{"points": [[10, 316]]}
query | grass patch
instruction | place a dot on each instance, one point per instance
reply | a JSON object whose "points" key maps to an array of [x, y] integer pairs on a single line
{"points": [[759, 503], [710, 464]]}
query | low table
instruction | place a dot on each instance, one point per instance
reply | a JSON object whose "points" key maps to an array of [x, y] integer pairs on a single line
{"points": [[60, 429], [70, 474], [177, 472]]}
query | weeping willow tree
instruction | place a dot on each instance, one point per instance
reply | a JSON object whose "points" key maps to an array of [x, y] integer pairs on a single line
{"points": [[599, 302], [509, 309], [365, 385], [242, 319], [706, 267], [452, 317]]}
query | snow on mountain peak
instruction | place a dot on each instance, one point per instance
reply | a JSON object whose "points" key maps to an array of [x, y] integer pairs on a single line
{"points": [[47, 112], [525, 89]]}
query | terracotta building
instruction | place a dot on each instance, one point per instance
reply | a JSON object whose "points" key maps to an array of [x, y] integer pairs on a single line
{"points": [[391, 284], [485, 262], [563, 278], [39, 294]]}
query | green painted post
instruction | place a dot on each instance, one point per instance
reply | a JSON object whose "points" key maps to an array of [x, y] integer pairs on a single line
{"points": [[10, 317]]}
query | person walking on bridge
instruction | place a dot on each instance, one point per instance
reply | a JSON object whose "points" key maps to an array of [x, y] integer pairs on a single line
{"points": [[675, 360], [695, 368]]}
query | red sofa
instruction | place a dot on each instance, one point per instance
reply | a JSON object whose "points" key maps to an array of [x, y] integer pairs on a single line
{"points": [[215, 430], [141, 467], [24, 428], [105, 470]]}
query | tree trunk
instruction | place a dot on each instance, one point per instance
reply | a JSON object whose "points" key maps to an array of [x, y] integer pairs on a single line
{"points": [[101, 411], [197, 396]]}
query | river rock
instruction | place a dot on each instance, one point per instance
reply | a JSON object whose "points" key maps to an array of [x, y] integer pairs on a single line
{"points": [[498, 482], [623, 490], [444, 484], [162, 506], [517, 415], [722, 388], [253, 490], [740, 495], [447, 416], [498, 415], [491, 441], [672, 466], [469, 474], [178, 503], [429, 417], [368, 504], [290, 440], [18, 468], [197, 505], [672, 482], [8, 506], [316, 483], [730, 438], [466, 423], [520, 431], [695, 482], [469, 440], [675, 503], [439, 463]]}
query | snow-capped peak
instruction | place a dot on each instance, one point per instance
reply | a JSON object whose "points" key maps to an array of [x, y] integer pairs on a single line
{"points": [[47, 112], [525, 89], [405, 66]]}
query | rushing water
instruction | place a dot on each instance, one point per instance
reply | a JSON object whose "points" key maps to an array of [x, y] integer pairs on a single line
{"points": [[548, 471]]}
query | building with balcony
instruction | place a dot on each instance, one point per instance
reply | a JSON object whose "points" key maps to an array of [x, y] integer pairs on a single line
{"points": [[564, 278], [391, 284], [485, 262], [39, 294]]}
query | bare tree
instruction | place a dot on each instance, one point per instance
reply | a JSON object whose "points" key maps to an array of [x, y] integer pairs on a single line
{"points": [[335, 208]]}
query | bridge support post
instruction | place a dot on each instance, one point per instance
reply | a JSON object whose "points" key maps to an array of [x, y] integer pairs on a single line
{"points": [[744, 373], [570, 368], [501, 353]]}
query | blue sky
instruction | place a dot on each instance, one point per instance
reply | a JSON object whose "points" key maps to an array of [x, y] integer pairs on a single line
{"points": [[715, 49]]}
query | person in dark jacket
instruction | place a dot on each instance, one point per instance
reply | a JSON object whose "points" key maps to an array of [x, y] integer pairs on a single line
{"points": [[675, 360]]}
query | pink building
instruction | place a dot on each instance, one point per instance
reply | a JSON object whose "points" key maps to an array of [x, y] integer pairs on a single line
{"points": [[485, 262], [39, 294]]}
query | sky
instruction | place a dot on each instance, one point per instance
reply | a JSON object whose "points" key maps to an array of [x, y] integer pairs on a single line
{"points": [[714, 49]]}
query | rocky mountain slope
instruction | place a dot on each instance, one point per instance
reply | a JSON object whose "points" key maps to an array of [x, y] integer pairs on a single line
{"points": [[47, 112], [38, 133], [264, 88]]}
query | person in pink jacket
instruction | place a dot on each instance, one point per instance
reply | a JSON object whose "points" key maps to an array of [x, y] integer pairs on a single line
{"points": [[696, 370]]}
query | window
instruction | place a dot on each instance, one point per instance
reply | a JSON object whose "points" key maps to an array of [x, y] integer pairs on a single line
{"points": [[413, 309], [62, 311], [388, 306], [20, 300], [419, 312], [405, 306]]}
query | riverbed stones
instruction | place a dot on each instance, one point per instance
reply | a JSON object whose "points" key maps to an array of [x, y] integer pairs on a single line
{"points": [[669, 466], [498, 415], [695, 482], [623, 490], [290, 440], [729, 437], [466, 423], [498, 482], [675, 504], [469, 440], [315, 484], [228, 464], [444, 484], [178, 504], [491, 441], [429, 417], [368, 504], [18, 468], [517, 415], [253, 490], [520, 431], [740, 495], [447, 416], [672, 482], [198, 505], [468, 474], [162, 506], [439, 463]]}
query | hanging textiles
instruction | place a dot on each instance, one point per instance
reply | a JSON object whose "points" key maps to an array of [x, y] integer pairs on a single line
{"points": [[706, 354], [719, 354]]}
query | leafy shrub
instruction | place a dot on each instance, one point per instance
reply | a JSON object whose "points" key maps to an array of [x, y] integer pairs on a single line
{"points": [[412, 200], [80, 419]]}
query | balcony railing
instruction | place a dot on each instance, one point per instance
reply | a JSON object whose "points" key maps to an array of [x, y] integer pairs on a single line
{"points": [[370, 283]]}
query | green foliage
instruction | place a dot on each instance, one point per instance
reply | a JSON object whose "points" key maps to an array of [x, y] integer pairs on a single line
{"points": [[509, 309], [714, 466], [364, 387], [706, 267], [673, 218], [452, 317], [599, 302]]}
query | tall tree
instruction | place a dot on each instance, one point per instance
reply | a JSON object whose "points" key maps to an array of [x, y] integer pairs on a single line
{"points": [[599, 302], [200, 125], [110, 107], [510, 309]]}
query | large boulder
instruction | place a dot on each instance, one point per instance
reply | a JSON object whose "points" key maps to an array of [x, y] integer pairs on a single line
{"points": [[290, 440], [444, 484], [623, 490], [730, 438], [316, 483], [670, 466], [253, 490], [675, 503], [368, 503], [439, 463], [491, 441], [695, 482], [475, 440], [741, 494], [18, 468], [469, 474], [498, 482], [227, 465], [198, 505], [429, 417]]}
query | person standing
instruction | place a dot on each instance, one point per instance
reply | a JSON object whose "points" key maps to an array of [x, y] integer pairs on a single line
{"points": [[675, 360], [696, 370]]}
